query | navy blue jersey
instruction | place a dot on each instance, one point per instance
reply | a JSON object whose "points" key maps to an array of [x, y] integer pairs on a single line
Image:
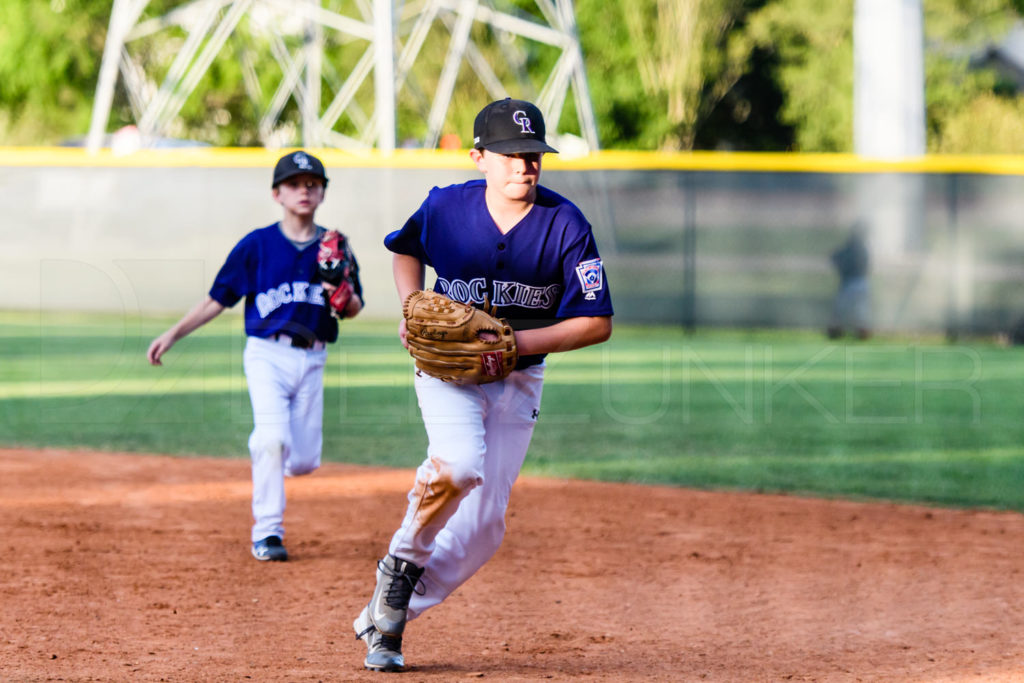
{"points": [[282, 290], [545, 269]]}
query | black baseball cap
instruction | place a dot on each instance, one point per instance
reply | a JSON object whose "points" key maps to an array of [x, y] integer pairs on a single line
{"points": [[509, 126], [298, 163]]}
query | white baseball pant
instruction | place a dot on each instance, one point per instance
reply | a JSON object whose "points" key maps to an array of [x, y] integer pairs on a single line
{"points": [[478, 437], [286, 387]]}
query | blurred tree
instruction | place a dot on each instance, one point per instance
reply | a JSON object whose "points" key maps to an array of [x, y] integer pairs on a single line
{"points": [[813, 45], [664, 74], [988, 124], [970, 110], [659, 67], [747, 117], [49, 57]]}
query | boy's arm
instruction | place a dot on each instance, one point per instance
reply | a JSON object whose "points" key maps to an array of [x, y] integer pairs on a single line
{"points": [[569, 334], [409, 276], [202, 313]]}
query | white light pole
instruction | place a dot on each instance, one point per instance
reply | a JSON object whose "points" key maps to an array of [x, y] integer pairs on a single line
{"points": [[889, 124], [888, 89]]}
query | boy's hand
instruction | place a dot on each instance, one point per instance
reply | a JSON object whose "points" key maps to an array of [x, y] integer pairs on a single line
{"points": [[339, 297], [159, 347], [403, 333]]}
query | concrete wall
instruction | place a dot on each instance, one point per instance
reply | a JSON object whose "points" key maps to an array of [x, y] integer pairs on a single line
{"points": [[719, 240], [152, 239]]}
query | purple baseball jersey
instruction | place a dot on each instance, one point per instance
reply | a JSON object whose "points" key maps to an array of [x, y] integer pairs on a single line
{"points": [[544, 269], [282, 290]]}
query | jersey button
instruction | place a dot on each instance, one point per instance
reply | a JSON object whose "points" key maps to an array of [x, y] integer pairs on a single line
{"points": [[501, 246]]}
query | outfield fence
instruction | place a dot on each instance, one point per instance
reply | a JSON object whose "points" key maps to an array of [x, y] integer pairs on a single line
{"points": [[706, 239]]}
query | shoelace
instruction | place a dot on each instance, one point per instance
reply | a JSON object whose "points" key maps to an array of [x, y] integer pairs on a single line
{"points": [[393, 643], [401, 587]]}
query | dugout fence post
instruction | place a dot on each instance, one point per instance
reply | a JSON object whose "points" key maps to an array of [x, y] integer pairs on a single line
{"points": [[689, 304], [952, 328]]}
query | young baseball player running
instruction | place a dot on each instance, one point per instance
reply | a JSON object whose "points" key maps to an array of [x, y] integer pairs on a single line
{"points": [[291, 314], [503, 241]]}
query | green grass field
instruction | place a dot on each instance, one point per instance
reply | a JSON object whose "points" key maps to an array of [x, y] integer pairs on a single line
{"points": [[900, 419]]}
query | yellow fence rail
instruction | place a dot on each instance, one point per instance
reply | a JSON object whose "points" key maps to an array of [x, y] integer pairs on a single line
{"points": [[211, 157]]}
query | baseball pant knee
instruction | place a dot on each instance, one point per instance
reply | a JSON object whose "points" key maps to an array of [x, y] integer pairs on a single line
{"points": [[266, 439], [293, 467], [439, 488]]}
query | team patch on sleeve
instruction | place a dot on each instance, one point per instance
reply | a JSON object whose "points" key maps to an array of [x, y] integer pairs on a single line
{"points": [[591, 276]]}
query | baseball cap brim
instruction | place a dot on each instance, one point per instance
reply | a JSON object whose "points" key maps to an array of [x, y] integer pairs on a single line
{"points": [[517, 145], [285, 176]]}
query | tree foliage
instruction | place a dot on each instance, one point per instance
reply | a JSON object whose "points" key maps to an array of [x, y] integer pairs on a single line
{"points": [[814, 45], [49, 57], [659, 67], [988, 124], [969, 109], [663, 74]]}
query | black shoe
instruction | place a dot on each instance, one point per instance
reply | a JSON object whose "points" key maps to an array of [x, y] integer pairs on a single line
{"points": [[270, 549]]}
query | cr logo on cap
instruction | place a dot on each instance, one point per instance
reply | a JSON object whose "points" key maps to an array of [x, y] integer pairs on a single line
{"points": [[302, 161], [523, 120]]}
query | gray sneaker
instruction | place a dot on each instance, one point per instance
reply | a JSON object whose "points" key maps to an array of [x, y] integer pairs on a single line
{"points": [[383, 653], [381, 623], [396, 581]]}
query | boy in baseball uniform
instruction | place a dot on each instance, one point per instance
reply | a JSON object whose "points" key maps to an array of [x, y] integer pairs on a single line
{"points": [[514, 244], [290, 317]]}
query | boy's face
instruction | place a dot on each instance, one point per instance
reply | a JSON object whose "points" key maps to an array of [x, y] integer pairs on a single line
{"points": [[513, 176], [300, 194]]}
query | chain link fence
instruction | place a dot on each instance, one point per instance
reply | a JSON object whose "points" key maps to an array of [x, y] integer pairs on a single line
{"points": [[683, 245]]}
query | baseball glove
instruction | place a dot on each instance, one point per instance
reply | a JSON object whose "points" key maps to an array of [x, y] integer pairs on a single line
{"points": [[336, 266], [456, 342]]}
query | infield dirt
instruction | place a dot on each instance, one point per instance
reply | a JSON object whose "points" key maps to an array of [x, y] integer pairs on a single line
{"points": [[137, 568]]}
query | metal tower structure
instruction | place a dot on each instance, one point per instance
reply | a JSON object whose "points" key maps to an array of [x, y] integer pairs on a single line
{"points": [[388, 37]]}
